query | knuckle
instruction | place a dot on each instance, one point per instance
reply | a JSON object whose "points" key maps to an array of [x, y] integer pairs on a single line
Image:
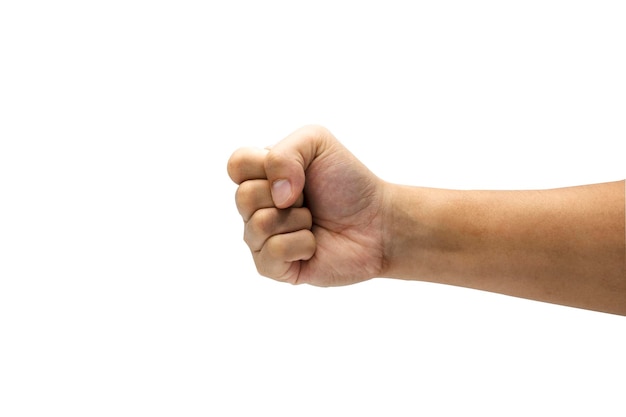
{"points": [[234, 165], [276, 248], [252, 195], [249, 239], [314, 131], [244, 198], [258, 226], [263, 221], [268, 267], [273, 160], [262, 266]]}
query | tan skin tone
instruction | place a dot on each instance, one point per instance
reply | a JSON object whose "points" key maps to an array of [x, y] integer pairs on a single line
{"points": [[333, 222]]}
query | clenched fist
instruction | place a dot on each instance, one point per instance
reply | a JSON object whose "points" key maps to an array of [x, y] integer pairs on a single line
{"points": [[312, 212]]}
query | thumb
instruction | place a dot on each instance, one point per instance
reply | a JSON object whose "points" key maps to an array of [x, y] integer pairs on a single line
{"points": [[287, 162]]}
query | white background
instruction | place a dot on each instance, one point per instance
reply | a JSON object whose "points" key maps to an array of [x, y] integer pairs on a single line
{"points": [[125, 286]]}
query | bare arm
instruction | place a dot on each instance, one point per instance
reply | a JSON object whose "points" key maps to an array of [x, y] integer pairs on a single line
{"points": [[314, 214], [565, 246]]}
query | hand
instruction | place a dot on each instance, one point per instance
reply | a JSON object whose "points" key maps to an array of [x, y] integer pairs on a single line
{"points": [[313, 213]]}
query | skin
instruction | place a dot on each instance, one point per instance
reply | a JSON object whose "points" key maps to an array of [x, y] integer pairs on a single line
{"points": [[314, 214]]}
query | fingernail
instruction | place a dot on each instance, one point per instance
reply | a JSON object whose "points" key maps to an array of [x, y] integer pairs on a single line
{"points": [[281, 191]]}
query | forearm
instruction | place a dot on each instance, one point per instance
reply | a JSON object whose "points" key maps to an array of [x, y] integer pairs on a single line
{"points": [[563, 246]]}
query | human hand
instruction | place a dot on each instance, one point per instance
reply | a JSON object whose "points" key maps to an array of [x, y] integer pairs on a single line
{"points": [[313, 213]]}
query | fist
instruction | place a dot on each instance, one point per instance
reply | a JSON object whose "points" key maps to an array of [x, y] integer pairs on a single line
{"points": [[277, 237], [312, 212]]}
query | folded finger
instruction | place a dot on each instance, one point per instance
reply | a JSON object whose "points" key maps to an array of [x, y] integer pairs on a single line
{"points": [[253, 195], [247, 164], [277, 259], [268, 222]]}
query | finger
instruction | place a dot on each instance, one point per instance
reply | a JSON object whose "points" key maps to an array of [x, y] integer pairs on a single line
{"points": [[275, 260], [267, 222], [253, 195], [247, 164], [287, 161]]}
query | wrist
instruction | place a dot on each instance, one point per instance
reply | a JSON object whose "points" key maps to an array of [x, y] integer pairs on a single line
{"points": [[415, 245]]}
